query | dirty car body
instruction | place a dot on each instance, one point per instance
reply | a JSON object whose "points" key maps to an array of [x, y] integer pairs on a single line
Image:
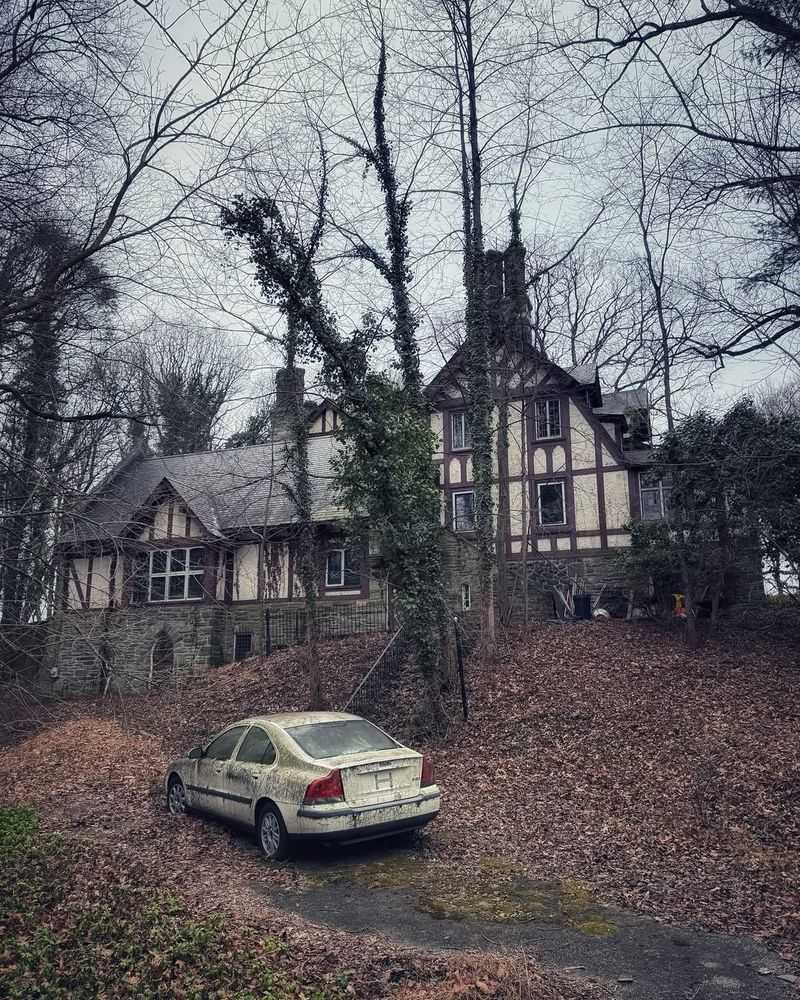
{"points": [[328, 776]]}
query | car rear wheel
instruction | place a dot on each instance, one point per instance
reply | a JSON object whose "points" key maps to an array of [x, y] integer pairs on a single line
{"points": [[176, 797], [271, 833]]}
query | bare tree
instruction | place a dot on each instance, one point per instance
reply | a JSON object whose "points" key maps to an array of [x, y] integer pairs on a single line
{"points": [[186, 378]]}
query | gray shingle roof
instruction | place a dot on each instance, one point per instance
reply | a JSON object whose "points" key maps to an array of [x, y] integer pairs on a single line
{"points": [[583, 374], [226, 490], [619, 403]]}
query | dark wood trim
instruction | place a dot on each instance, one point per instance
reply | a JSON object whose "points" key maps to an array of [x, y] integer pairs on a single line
{"points": [[601, 490], [209, 578], [112, 579], [78, 588], [595, 422], [228, 577], [127, 580], [171, 518], [89, 574], [634, 493]]}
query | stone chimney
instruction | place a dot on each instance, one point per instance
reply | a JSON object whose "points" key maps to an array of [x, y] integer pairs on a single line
{"points": [[289, 394], [518, 325], [494, 292]]}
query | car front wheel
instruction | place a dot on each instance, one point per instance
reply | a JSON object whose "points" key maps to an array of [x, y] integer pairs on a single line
{"points": [[176, 797], [271, 832]]}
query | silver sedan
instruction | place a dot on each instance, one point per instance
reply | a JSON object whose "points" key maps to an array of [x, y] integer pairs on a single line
{"points": [[326, 776]]}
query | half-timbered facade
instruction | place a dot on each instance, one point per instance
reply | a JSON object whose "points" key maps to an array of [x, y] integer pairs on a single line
{"points": [[567, 465], [176, 563]]}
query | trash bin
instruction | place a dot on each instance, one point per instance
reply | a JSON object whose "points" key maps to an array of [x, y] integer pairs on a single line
{"points": [[583, 606]]}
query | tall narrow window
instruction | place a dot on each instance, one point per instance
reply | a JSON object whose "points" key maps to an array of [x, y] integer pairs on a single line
{"points": [[466, 597], [654, 494], [176, 575], [460, 438], [464, 511], [551, 506], [548, 418], [341, 569]]}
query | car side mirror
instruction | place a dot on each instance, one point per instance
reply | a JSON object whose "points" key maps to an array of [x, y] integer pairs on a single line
{"points": [[195, 753]]}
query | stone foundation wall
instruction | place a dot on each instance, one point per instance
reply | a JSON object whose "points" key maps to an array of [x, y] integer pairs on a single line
{"points": [[88, 645], [540, 574]]}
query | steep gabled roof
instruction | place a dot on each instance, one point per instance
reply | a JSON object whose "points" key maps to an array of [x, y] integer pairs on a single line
{"points": [[580, 376], [226, 490]]}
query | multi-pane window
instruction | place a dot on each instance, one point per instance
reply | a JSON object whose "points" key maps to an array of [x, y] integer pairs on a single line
{"points": [[341, 569], [460, 437], [654, 496], [176, 575], [464, 511], [550, 503], [548, 418]]}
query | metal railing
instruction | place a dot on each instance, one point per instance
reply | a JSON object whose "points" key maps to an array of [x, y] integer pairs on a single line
{"points": [[287, 626], [375, 680]]}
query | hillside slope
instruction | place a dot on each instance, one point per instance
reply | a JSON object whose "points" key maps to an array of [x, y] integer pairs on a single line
{"points": [[609, 755]]}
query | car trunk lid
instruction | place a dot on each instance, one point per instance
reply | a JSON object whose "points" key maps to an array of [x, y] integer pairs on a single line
{"points": [[387, 776]]}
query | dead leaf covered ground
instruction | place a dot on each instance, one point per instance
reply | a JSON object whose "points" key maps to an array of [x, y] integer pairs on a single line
{"points": [[665, 780]]}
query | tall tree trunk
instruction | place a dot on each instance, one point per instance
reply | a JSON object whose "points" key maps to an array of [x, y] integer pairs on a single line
{"points": [[478, 348], [307, 541]]}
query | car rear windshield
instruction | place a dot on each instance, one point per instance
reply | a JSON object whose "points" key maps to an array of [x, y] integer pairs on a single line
{"points": [[330, 739]]}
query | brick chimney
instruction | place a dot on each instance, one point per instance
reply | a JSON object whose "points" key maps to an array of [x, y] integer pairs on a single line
{"points": [[289, 393]]}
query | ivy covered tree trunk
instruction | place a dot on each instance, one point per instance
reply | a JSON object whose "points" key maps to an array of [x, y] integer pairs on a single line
{"points": [[307, 555], [385, 471], [478, 349]]}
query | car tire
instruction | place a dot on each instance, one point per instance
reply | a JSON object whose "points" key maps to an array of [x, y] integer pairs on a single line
{"points": [[176, 797], [271, 832]]}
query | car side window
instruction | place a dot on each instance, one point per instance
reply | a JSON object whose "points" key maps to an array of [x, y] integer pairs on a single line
{"points": [[223, 746], [256, 748]]}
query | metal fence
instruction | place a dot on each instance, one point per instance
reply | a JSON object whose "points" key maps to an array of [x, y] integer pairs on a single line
{"points": [[379, 676], [287, 626], [375, 680]]}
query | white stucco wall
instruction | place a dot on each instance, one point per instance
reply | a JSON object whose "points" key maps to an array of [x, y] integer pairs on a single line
{"points": [[581, 439]]}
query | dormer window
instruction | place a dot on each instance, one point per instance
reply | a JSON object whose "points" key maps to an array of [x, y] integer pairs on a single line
{"points": [[548, 418], [176, 575], [460, 439]]}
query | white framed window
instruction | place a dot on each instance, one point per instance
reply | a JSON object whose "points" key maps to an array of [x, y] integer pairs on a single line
{"points": [[464, 511], [550, 503], [548, 418], [460, 439], [654, 496], [466, 597], [341, 569], [176, 575]]}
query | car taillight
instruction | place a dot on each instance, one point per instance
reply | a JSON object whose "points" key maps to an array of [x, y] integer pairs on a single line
{"points": [[326, 789], [427, 771]]}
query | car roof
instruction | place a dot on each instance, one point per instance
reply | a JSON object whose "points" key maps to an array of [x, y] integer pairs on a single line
{"points": [[286, 720]]}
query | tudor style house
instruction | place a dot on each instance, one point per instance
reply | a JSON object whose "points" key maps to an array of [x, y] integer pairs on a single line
{"points": [[175, 563]]}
